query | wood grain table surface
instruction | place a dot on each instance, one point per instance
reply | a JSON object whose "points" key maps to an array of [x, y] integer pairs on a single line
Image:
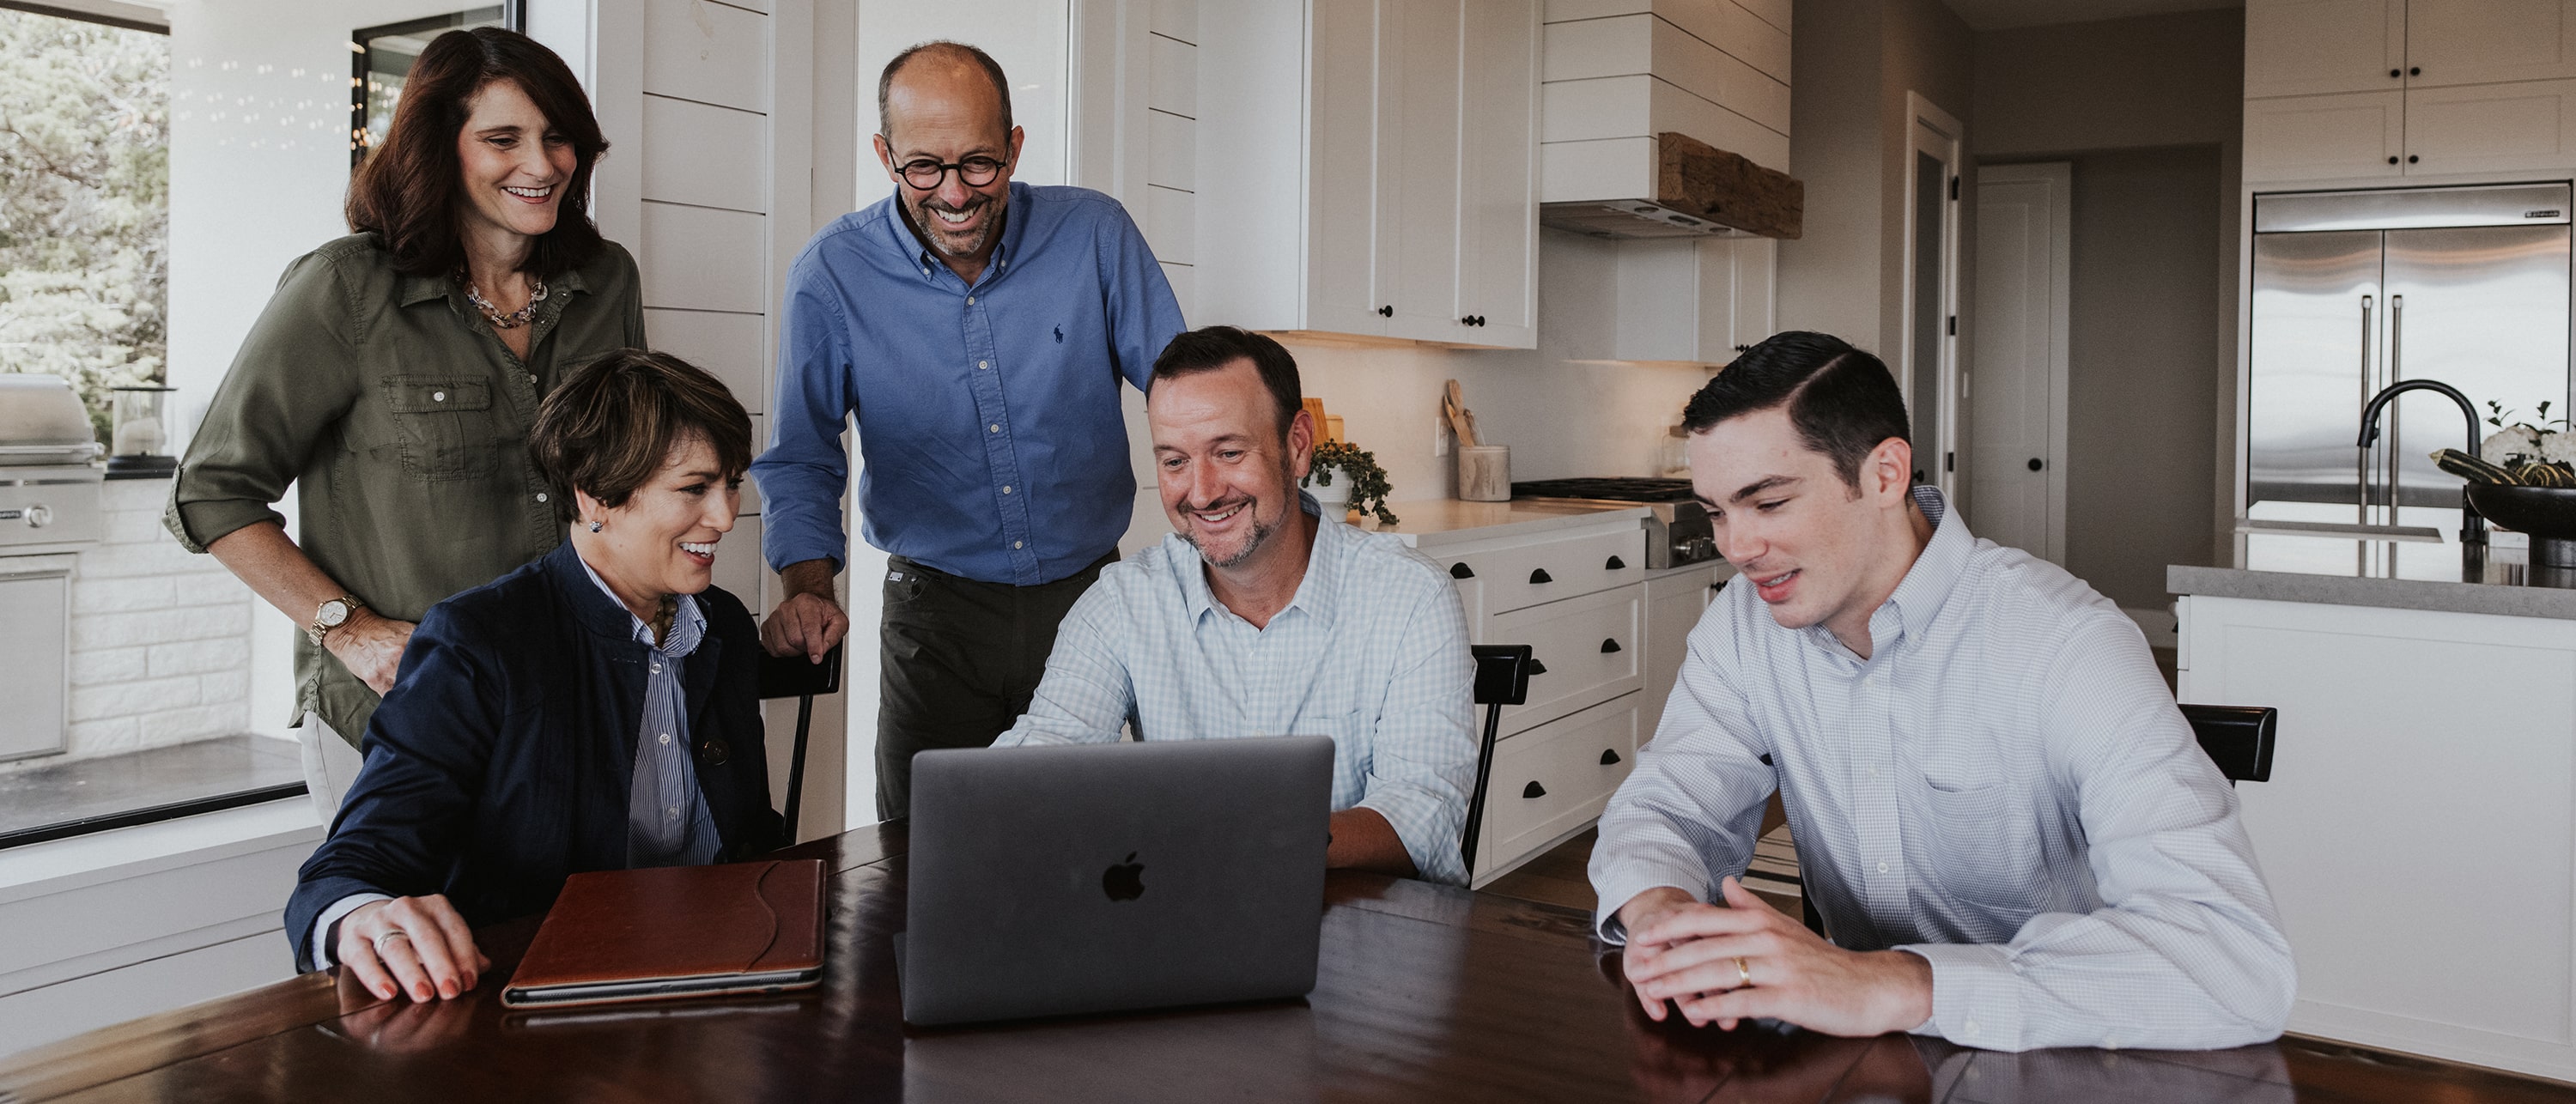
{"points": [[1425, 993]]}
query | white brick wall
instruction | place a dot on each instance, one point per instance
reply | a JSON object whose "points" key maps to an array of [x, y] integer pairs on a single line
{"points": [[159, 637]]}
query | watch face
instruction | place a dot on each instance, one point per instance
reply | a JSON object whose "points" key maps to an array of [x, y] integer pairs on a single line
{"points": [[332, 613]]}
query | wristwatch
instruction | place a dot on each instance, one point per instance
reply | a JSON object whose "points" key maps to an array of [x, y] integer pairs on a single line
{"points": [[331, 615]]}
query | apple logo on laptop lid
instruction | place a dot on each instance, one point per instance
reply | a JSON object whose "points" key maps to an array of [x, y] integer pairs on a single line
{"points": [[1124, 881]]}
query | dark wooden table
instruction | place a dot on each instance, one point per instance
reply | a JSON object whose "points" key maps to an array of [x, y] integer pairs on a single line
{"points": [[1426, 993]]}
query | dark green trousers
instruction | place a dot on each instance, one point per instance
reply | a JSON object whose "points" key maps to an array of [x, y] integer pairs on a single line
{"points": [[958, 662]]}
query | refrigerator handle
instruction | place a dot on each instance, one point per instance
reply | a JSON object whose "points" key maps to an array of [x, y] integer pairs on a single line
{"points": [[2361, 471], [2390, 453]]}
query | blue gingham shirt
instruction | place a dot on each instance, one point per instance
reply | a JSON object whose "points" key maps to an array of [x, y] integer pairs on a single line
{"points": [[667, 821], [1372, 651], [2004, 788], [988, 416]]}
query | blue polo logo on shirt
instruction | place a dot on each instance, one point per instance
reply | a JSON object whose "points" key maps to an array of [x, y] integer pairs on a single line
{"points": [[1059, 335]]}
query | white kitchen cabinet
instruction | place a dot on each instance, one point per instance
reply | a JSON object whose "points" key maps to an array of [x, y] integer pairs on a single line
{"points": [[1692, 300], [2339, 137], [2491, 127], [1675, 601], [1552, 782], [2311, 47], [1376, 178], [2453, 42]]}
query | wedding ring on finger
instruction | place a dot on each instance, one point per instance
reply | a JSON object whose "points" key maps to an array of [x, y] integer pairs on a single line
{"points": [[1743, 972], [398, 933]]}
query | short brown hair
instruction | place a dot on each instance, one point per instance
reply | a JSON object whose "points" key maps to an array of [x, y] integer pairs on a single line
{"points": [[1212, 347], [608, 429], [409, 189]]}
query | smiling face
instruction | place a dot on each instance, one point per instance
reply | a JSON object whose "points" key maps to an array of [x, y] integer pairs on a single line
{"points": [[663, 539], [1228, 476], [516, 164], [944, 109], [1817, 549]]}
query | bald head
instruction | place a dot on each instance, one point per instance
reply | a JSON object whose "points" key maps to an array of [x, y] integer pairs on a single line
{"points": [[947, 78]]}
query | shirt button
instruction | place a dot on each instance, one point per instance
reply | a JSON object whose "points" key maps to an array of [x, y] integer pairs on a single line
{"points": [[1006, 488], [541, 496], [666, 739], [1970, 1027], [1873, 772], [438, 396], [994, 428], [657, 669], [970, 300], [1015, 544], [673, 812], [982, 363], [1882, 868]]}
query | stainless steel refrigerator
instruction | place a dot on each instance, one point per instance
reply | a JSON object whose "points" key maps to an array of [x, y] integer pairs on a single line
{"points": [[2356, 290]]}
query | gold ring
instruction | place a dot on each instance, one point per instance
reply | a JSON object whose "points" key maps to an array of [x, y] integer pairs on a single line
{"points": [[1743, 971]]}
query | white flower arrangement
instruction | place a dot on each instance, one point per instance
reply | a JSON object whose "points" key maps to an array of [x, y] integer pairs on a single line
{"points": [[2519, 443]]}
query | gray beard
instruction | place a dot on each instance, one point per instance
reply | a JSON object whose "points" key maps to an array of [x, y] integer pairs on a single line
{"points": [[1251, 544]]}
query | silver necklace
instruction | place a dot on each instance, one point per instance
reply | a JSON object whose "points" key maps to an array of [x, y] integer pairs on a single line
{"points": [[512, 320]]}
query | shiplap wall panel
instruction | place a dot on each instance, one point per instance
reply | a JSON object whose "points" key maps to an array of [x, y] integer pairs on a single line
{"points": [[1174, 84], [739, 567], [1645, 44], [1177, 19], [1171, 151], [708, 52], [1629, 107], [761, 6], [1170, 224], [724, 343], [704, 259], [1185, 283], [1720, 23], [705, 155]]}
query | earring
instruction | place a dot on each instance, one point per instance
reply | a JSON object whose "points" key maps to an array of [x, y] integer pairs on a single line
{"points": [[594, 526]]}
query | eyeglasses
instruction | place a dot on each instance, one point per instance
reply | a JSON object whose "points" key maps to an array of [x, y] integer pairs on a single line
{"points": [[927, 173]]}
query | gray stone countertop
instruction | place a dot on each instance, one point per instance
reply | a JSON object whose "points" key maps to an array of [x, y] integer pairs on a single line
{"points": [[1431, 523], [2502, 590]]}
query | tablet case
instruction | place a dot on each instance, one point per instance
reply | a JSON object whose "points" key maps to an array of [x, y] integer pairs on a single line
{"points": [[707, 927]]}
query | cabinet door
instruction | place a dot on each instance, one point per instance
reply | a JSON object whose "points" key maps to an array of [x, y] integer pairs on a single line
{"points": [[1418, 142], [33, 667], [1674, 604], [1583, 651], [1498, 175], [2491, 127], [1343, 224], [2324, 137], [2306, 47], [1756, 267], [2450, 42], [1547, 783]]}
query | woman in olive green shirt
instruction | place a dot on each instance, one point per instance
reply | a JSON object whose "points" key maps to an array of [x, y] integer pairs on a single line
{"points": [[395, 374]]}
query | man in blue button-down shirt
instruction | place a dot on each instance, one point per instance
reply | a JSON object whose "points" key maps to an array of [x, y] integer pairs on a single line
{"points": [[978, 329]]}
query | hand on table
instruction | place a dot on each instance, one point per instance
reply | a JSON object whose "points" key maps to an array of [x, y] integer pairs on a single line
{"points": [[371, 647], [1700, 956], [416, 944]]}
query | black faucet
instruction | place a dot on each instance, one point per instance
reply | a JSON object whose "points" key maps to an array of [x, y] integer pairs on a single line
{"points": [[2473, 527]]}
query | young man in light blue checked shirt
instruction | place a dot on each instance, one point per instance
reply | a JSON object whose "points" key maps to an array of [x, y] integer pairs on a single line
{"points": [[1257, 617]]}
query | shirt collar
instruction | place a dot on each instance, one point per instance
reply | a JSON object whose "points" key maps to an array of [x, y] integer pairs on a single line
{"points": [[1908, 612], [1314, 592], [687, 627], [909, 237]]}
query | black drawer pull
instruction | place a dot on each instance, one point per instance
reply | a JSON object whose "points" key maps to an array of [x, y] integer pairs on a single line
{"points": [[1609, 758], [1536, 667], [1608, 645], [1718, 585], [1615, 564], [1533, 790], [1460, 570], [1539, 575]]}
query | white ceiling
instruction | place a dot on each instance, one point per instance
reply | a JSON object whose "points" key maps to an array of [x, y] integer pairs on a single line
{"points": [[1995, 15]]}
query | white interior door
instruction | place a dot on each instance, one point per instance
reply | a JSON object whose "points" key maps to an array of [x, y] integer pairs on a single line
{"points": [[2017, 467], [1929, 361]]}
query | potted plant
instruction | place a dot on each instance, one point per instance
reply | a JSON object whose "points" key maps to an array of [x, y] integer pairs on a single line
{"points": [[1343, 473]]}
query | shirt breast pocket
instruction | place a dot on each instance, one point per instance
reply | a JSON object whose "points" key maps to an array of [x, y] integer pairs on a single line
{"points": [[444, 426]]}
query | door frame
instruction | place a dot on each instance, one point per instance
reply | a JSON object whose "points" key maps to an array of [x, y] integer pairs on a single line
{"points": [[2059, 176], [1939, 134]]}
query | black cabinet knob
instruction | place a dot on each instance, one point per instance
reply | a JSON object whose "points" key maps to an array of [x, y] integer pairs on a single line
{"points": [[1460, 570], [1533, 790], [1480, 320], [1466, 320], [2411, 159], [1744, 348], [2395, 73], [1536, 667], [1387, 311], [1614, 563], [2035, 464], [1609, 757], [1539, 575], [1608, 646], [2414, 70], [2392, 159]]}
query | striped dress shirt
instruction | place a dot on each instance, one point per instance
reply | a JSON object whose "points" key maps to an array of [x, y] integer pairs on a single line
{"points": [[1372, 651], [2004, 788]]}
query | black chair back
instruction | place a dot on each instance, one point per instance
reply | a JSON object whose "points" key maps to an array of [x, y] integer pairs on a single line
{"points": [[2236, 737], [1502, 678], [799, 678]]}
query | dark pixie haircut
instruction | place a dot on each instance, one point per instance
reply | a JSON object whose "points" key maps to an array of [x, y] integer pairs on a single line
{"points": [[610, 428], [1843, 401], [941, 48], [1214, 347], [411, 188]]}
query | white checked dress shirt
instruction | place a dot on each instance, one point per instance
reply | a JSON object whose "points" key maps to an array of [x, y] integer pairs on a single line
{"points": [[1372, 651], [2004, 788]]}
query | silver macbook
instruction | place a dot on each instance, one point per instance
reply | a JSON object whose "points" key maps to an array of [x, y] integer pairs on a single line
{"points": [[1095, 878]]}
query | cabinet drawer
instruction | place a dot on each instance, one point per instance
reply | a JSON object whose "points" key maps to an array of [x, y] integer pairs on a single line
{"points": [[1588, 650], [2324, 137], [1532, 574], [1553, 779]]}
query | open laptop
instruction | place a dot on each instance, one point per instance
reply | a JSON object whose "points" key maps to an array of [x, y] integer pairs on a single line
{"points": [[1099, 877]]}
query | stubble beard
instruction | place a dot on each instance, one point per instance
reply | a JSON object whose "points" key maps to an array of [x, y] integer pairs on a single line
{"points": [[1252, 541]]}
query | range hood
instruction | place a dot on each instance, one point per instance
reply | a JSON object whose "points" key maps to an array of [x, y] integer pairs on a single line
{"points": [[1700, 191]]}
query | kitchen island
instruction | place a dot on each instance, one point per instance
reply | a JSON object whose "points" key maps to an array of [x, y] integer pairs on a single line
{"points": [[2419, 827]]}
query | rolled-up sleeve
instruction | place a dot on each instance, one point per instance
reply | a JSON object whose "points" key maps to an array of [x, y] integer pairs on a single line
{"points": [[2187, 950], [1690, 813], [1422, 758], [1086, 696], [805, 468], [293, 380]]}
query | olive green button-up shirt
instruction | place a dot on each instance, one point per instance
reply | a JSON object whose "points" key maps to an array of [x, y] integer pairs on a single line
{"points": [[399, 415]]}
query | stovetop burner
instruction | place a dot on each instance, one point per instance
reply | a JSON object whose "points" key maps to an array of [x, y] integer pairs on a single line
{"points": [[1614, 489]]}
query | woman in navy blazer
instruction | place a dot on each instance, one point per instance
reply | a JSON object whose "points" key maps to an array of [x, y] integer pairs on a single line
{"points": [[597, 709]]}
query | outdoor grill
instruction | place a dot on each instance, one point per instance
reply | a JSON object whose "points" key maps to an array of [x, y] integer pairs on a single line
{"points": [[52, 505]]}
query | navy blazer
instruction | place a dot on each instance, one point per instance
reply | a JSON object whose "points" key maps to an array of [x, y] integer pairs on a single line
{"points": [[500, 764]]}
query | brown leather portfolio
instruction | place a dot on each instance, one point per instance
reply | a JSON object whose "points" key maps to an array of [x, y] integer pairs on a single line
{"points": [[676, 931]]}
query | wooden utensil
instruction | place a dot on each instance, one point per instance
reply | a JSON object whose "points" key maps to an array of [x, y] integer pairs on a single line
{"points": [[1453, 404]]}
